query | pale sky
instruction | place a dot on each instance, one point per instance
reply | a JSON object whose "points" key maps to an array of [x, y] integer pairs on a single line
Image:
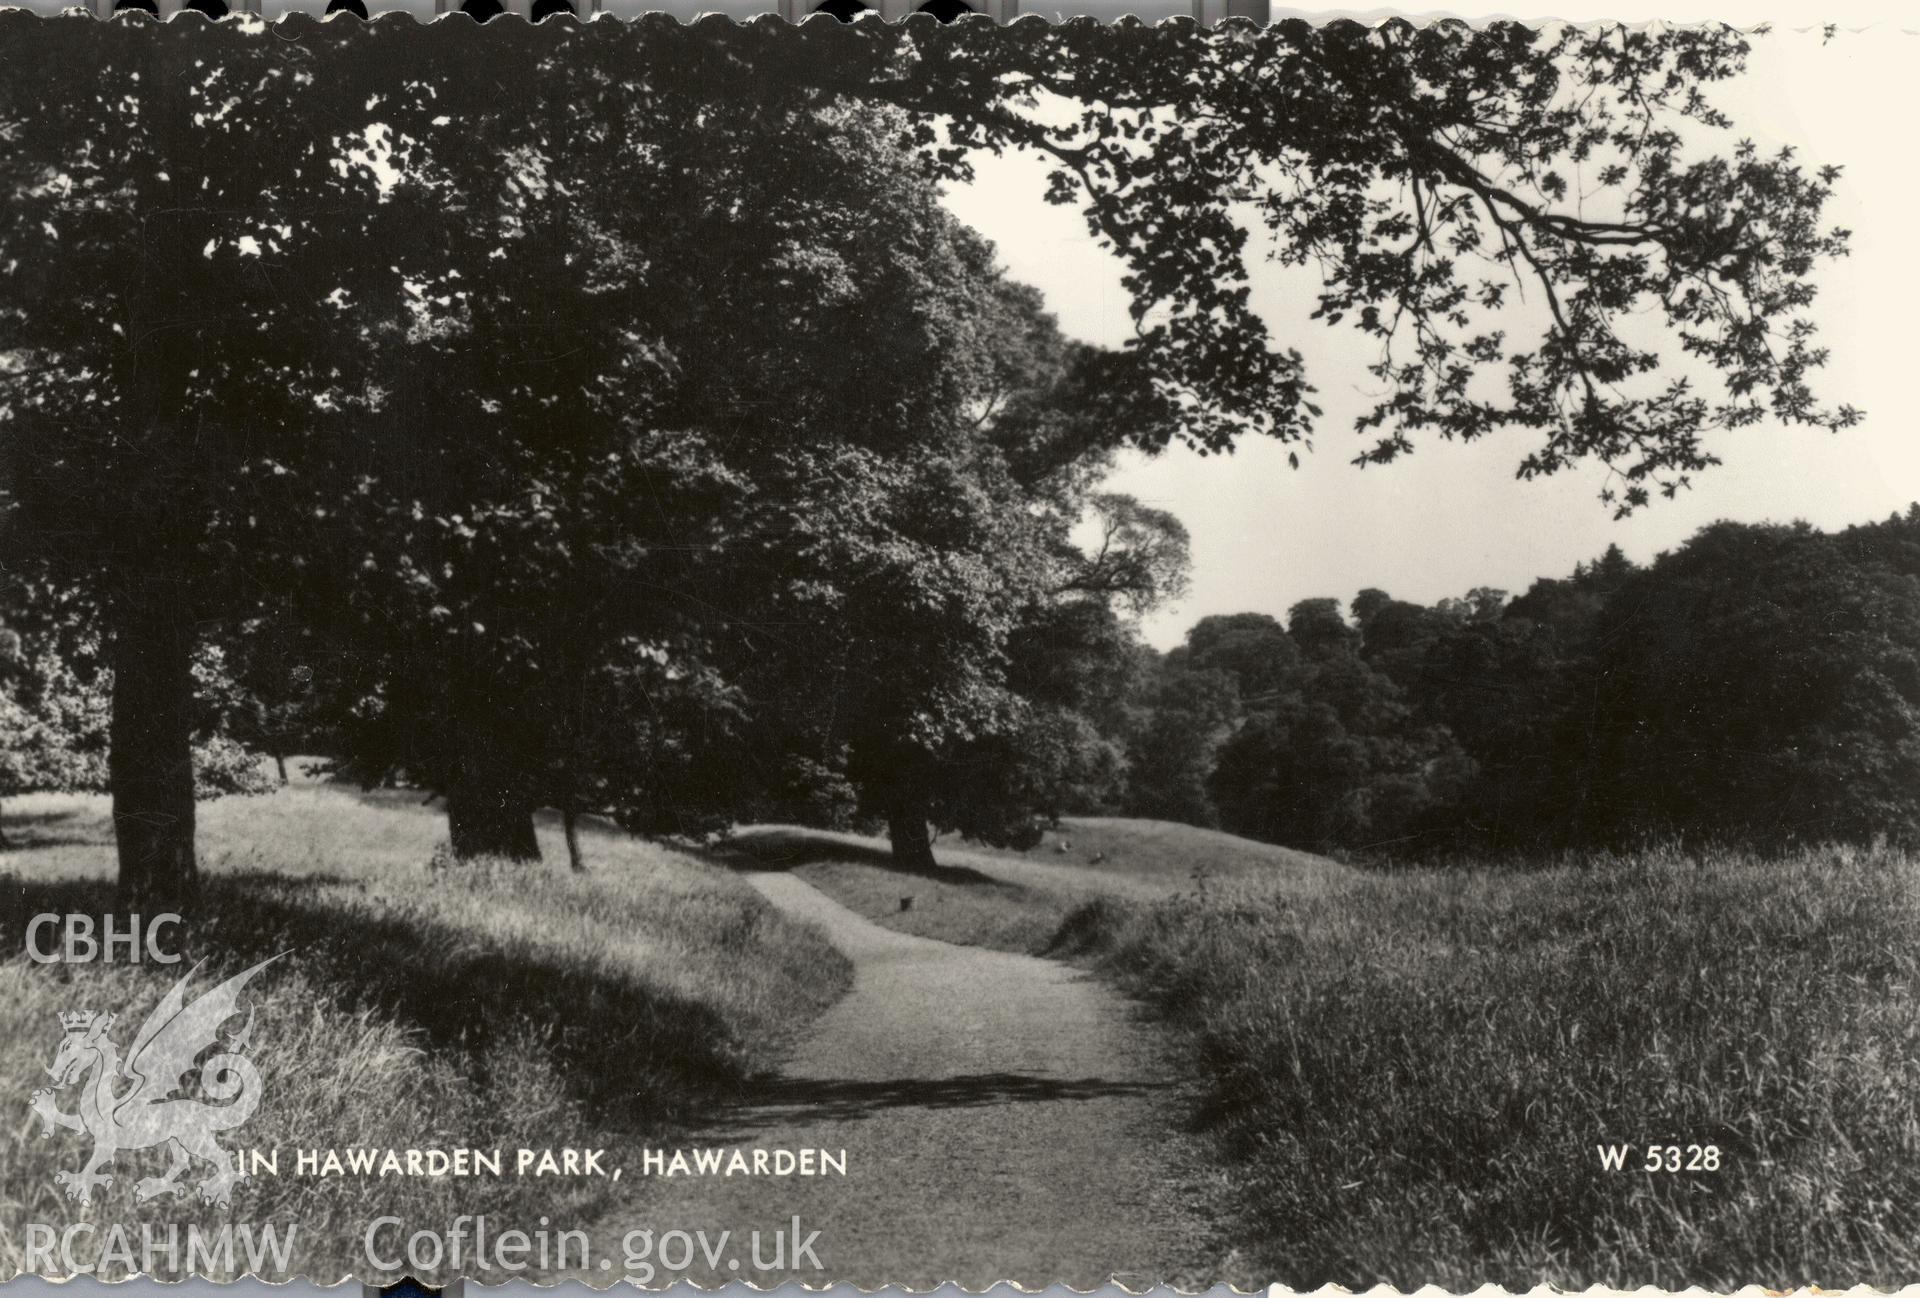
{"points": [[1452, 517]]}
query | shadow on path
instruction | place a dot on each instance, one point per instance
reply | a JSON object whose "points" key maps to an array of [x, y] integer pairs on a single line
{"points": [[805, 1100]]}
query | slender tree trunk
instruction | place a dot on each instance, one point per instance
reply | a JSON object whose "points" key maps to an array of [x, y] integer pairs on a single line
{"points": [[280, 764], [150, 757], [570, 823], [5, 845], [487, 815], [907, 817]]}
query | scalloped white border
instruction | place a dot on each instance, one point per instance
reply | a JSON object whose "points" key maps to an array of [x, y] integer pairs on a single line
{"points": [[1893, 17], [141, 1287], [1881, 17]]}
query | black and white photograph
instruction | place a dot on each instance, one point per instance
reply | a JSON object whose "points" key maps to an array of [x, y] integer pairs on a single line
{"points": [[880, 648]]}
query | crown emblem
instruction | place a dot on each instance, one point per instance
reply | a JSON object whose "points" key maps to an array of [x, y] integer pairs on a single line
{"points": [[78, 1020]]}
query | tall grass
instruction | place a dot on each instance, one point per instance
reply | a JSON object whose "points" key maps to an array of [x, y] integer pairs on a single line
{"points": [[1410, 1076], [493, 1006]]}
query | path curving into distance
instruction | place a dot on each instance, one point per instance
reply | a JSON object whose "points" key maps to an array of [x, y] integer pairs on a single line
{"points": [[1004, 1118]]}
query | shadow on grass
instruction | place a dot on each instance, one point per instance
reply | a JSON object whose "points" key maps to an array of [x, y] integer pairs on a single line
{"points": [[789, 849], [16, 842], [24, 900], [21, 819], [33, 831], [631, 1054]]}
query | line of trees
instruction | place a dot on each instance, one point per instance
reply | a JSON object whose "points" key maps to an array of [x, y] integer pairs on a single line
{"points": [[649, 440], [1760, 684]]}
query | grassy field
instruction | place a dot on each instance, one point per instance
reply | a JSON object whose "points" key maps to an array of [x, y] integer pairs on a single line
{"points": [[1408, 1075], [480, 1007]]}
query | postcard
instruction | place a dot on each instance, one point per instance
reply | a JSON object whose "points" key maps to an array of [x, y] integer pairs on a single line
{"points": [[934, 647]]}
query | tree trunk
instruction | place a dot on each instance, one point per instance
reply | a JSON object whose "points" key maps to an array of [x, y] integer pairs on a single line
{"points": [[4, 844], [150, 757], [570, 822], [488, 816], [280, 764], [907, 817]]}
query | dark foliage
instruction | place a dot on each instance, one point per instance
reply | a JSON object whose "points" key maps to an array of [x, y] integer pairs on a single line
{"points": [[1759, 685]]}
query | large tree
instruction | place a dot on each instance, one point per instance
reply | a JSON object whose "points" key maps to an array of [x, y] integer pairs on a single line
{"points": [[183, 211], [936, 639]]}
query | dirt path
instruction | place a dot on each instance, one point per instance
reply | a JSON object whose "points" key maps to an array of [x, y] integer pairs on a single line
{"points": [[1003, 1117]]}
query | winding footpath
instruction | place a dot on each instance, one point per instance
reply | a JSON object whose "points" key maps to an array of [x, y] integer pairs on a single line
{"points": [[1004, 1117]]}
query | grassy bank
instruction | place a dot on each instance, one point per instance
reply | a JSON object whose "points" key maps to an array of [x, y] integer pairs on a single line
{"points": [[1018, 901], [489, 1007], [1410, 1078]]}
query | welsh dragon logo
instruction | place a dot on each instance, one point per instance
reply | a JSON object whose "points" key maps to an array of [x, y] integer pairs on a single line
{"points": [[147, 1112]]}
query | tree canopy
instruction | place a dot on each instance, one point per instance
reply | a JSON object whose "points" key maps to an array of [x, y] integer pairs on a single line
{"points": [[438, 354], [1576, 182]]}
